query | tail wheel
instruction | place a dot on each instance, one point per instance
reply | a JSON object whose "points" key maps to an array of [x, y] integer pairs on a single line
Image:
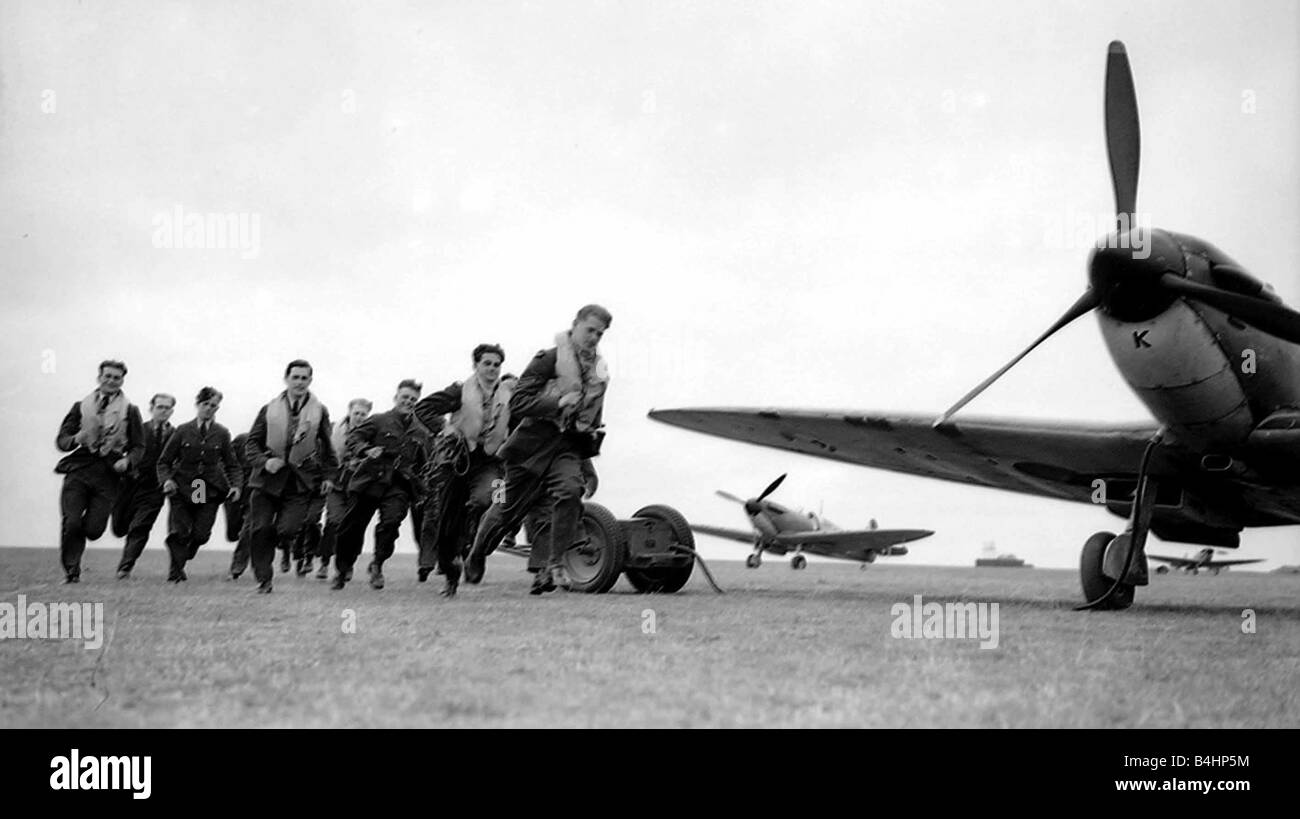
{"points": [[1095, 584], [594, 563], [665, 579], [753, 561], [798, 562]]}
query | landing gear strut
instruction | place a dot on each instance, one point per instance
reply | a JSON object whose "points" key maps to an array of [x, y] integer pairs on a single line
{"points": [[1111, 566]]}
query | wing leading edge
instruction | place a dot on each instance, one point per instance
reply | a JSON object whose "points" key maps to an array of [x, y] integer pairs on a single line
{"points": [[1183, 562], [1047, 459], [852, 543]]}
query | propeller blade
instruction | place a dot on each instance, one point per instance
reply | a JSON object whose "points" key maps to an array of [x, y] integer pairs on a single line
{"points": [[1123, 134], [731, 497], [771, 487], [1271, 317], [1235, 280], [1084, 305]]}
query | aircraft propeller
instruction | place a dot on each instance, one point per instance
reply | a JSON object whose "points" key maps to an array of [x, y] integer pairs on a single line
{"points": [[753, 506], [1115, 270], [771, 487]]}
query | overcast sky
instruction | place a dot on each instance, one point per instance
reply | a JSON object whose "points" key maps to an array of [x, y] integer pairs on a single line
{"points": [[815, 205]]}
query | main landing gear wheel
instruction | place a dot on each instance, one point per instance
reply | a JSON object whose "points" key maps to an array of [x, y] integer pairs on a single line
{"points": [[1096, 584], [593, 565], [664, 579], [798, 562], [753, 561]]}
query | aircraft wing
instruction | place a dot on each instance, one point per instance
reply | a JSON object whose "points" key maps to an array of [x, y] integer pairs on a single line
{"points": [[1183, 562], [1055, 460], [852, 543], [729, 534]]}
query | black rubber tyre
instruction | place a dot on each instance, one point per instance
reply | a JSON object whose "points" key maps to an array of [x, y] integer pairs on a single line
{"points": [[669, 579], [798, 562], [594, 564], [753, 561], [1095, 584]]}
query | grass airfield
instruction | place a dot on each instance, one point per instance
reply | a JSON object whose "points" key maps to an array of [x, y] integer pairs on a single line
{"points": [[780, 649]]}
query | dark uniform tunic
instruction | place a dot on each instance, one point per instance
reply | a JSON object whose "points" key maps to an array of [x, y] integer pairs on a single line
{"points": [[544, 465], [279, 503], [141, 498], [237, 528], [388, 483], [200, 459], [461, 486], [90, 485]]}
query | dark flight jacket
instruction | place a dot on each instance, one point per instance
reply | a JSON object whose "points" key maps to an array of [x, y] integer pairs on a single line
{"points": [[433, 406], [189, 456], [406, 451], [537, 438], [242, 456], [146, 472], [80, 457], [323, 463]]}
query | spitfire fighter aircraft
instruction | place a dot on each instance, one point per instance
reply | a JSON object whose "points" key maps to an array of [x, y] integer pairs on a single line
{"points": [[779, 530], [1204, 559], [1208, 348]]}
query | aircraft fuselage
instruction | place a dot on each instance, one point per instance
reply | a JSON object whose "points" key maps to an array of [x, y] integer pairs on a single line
{"points": [[773, 519]]}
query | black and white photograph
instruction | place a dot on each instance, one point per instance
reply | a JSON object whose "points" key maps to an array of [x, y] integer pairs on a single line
{"points": [[503, 365]]}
